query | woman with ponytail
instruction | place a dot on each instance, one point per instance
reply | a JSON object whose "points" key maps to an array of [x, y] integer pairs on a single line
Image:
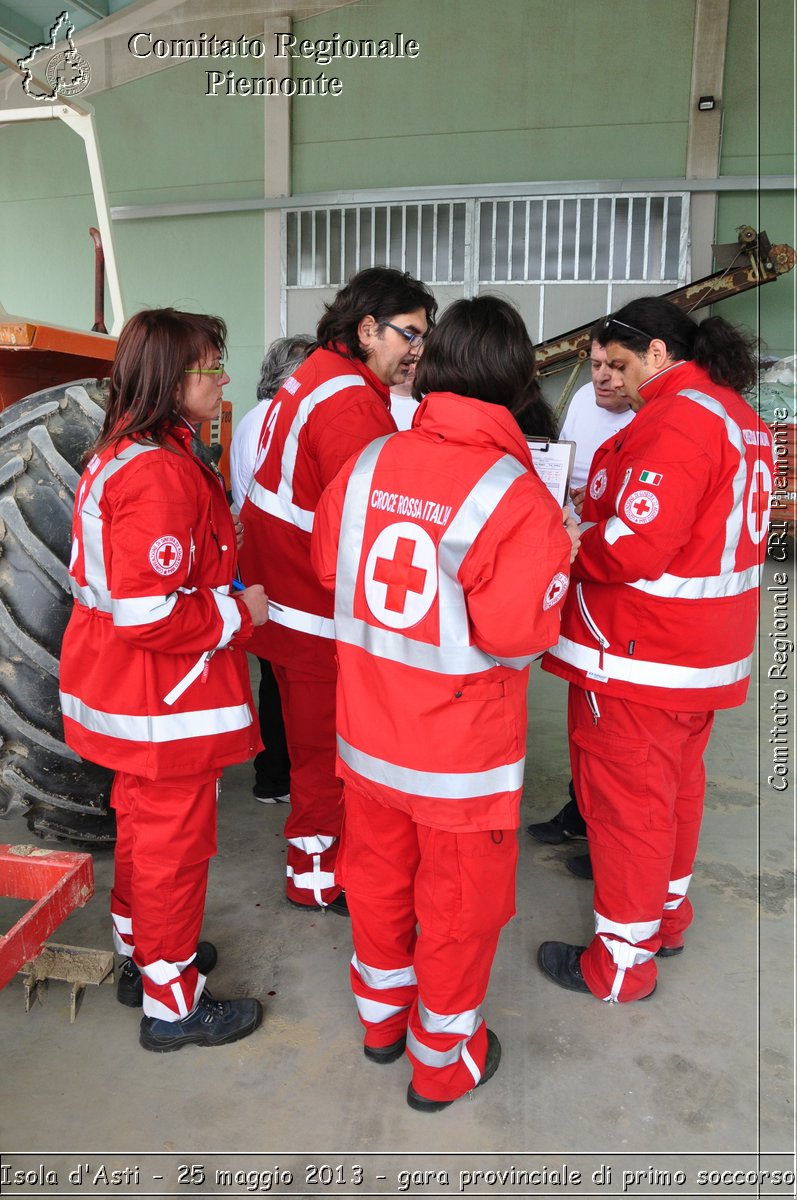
{"points": [[659, 630]]}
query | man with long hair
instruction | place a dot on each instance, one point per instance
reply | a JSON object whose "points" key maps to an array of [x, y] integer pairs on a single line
{"points": [[335, 403]]}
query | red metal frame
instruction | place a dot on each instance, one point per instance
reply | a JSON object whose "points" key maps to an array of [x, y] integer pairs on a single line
{"points": [[59, 881]]}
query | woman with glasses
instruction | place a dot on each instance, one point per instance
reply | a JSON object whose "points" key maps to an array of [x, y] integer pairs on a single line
{"points": [[154, 679], [659, 630], [449, 562]]}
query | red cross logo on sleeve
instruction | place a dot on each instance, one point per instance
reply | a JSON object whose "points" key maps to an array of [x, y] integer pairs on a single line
{"points": [[641, 507], [400, 575], [165, 555]]}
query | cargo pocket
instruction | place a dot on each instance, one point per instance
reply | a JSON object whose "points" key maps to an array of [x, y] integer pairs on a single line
{"points": [[614, 782], [487, 864]]}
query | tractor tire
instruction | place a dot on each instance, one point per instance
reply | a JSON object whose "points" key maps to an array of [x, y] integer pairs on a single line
{"points": [[43, 440]]}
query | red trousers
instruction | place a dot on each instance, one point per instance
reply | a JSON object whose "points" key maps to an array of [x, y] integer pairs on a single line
{"points": [[314, 823], [165, 837], [640, 781], [427, 907]]}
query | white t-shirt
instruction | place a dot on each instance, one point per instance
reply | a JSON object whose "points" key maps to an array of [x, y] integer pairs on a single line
{"points": [[589, 426], [403, 409], [243, 451]]}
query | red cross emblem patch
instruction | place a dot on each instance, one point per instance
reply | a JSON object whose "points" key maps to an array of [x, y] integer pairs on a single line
{"points": [[598, 485], [165, 555], [641, 507], [400, 575], [556, 590]]}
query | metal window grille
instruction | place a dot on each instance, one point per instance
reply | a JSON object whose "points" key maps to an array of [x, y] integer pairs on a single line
{"points": [[628, 238]]}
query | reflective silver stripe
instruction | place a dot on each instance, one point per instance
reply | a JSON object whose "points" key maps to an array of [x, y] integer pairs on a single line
{"points": [[141, 610], [677, 888], [464, 1024], [314, 881], [374, 1011], [433, 1058], [171, 727], [444, 785], [383, 979], [467, 1058], [654, 674], [702, 587], [280, 504], [275, 504], [635, 931], [454, 655], [188, 679], [733, 525], [624, 955], [614, 529], [385, 643], [313, 845], [587, 615], [304, 622], [96, 594], [230, 614]]}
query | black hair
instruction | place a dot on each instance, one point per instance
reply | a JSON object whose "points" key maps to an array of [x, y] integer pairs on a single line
{"points": [[727, 353], [481, 348], [379, 292]]}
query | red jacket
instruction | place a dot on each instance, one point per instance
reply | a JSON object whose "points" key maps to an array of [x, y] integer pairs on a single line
{"points": [[449, 563], [153, 678], [666, 602], [326, 411]]}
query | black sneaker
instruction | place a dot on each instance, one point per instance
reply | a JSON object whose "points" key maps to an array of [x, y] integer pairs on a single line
{"points": [[566, 825], [212, 1023], [491, 1061], [130, 985], [339, 905]]}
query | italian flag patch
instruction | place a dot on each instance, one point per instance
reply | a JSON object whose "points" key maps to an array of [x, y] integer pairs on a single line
{"points": [[651, 477]]}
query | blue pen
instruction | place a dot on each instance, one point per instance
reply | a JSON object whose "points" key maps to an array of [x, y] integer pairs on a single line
{"points": [[238, 585]]}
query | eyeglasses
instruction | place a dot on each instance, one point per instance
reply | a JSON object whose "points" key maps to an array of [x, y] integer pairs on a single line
{"points": [[413, 339], [219, 370], [609, 321]]}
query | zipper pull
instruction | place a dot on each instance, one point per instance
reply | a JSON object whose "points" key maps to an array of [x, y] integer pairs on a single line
{"points": [[205, 670]]}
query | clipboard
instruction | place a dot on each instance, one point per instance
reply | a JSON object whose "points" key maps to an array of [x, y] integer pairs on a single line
{"points": [[553, 462]]}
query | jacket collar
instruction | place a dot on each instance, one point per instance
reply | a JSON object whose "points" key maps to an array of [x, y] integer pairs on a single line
{"points": [[466, 421], [669, 379], [381, 389]]}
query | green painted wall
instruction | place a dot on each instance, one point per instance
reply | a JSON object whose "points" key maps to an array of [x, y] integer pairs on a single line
{"points": [[162, 140], [522, 89], [758, 136]]}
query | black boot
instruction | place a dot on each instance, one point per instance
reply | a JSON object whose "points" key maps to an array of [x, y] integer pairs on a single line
{"points": [[130, 985], [491, 1061], [566, 825], [212, 1023]]}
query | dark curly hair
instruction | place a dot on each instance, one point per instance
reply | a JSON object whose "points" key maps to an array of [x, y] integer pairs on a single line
{"points": [[727, 353], [379, 292]]}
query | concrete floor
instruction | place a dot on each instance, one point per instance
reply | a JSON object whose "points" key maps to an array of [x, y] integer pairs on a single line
{"points": [[699, 1078]]}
